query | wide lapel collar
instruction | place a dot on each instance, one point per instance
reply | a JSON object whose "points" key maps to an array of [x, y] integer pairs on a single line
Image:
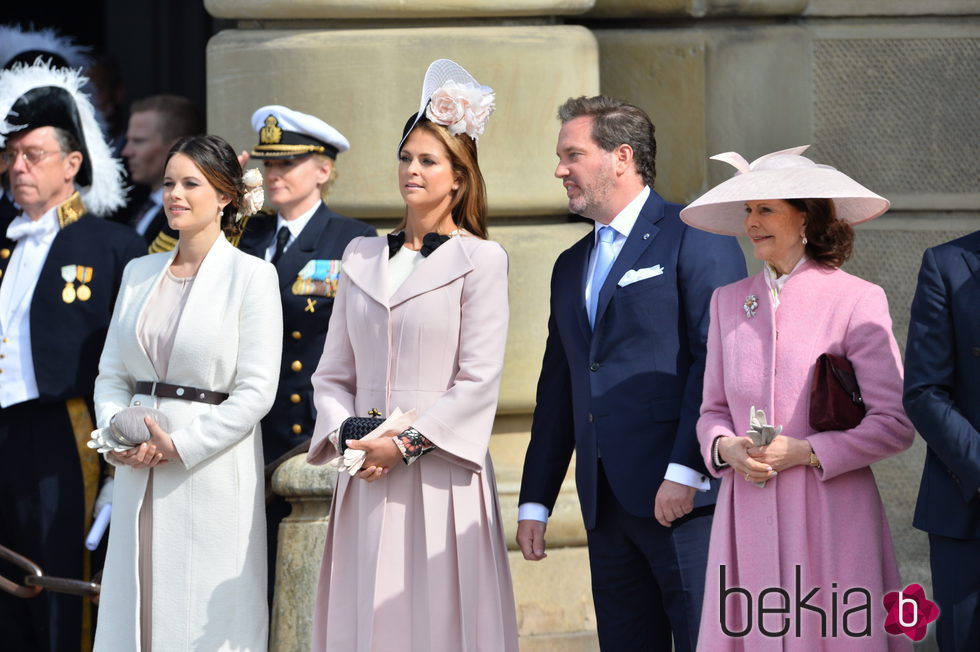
{"points": [[212, 279], [444, 265], [640, 238], [144, 290], [299, 252], [973, 261], [579, 259], [367, 268]]}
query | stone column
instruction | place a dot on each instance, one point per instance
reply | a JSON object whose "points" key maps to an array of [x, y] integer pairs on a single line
{"points": [[358, 64]]}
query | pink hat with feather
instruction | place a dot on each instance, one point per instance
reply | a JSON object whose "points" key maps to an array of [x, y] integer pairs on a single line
{"points": [[781, 175]]}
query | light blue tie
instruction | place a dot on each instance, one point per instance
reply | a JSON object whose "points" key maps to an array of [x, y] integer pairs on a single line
{"points": [[604, 257]]}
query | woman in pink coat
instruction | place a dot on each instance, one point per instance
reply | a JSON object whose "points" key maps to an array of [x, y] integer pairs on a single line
{"points": [[801, 554], [415, 557]]}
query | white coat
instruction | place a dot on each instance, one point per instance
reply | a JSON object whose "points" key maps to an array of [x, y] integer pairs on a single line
{"points": [[208, 533]]}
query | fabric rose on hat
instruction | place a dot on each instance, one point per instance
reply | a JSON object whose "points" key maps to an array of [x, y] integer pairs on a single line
{"points": [[463, 109], [254, 196]]}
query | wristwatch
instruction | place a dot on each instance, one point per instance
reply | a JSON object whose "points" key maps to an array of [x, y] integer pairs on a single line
{"points": [[814, 460]]}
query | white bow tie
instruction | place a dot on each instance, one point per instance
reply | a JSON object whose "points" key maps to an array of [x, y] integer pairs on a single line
{"points": [[23, 227]]}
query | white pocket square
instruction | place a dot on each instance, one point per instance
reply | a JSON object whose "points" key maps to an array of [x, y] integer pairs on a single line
{"points": [[634, 275]]}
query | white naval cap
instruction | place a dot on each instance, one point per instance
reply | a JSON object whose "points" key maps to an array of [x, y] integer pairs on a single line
{"points": [[285, 133]]}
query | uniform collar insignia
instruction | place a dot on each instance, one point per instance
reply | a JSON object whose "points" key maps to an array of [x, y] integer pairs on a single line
{"points": [[70, 210]]}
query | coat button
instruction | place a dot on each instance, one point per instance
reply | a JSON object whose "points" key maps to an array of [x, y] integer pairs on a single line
{"points": [[296, 366], [297, 335], [590, 417], [295, 398], [1, 273], [594, 366], [975, 351], [297, 429], [4, 253]]}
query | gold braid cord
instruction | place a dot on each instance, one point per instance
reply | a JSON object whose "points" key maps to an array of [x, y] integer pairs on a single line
{"points": [[82, 427]]}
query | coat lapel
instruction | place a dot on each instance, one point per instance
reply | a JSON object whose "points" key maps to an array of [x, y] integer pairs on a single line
{"points": [[211, 280], [444, 265], [367, 268], [579, 259], [640, 238], [973, 262], [300, 252]]}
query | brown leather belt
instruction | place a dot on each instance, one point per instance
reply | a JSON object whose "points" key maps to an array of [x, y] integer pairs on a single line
{"points": [[166, 390]]}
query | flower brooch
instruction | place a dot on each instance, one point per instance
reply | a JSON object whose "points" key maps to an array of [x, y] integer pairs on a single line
{"points": [[751, 305]]}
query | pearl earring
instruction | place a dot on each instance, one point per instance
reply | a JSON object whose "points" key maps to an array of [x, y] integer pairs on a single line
{"points": [[804, 240]]}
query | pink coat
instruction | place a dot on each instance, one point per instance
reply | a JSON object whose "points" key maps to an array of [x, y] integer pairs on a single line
{"points": [[829, 522], [417, 559]]}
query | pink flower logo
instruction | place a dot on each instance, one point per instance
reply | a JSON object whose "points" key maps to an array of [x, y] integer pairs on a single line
{"points": [[909, 612]]}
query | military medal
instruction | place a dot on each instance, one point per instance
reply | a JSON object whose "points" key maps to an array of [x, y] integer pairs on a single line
{"points": [[84, 275], [68, 275], [318, 277]]}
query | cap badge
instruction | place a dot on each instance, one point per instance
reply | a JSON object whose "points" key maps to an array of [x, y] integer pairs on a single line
{"points": [[270, 134]]}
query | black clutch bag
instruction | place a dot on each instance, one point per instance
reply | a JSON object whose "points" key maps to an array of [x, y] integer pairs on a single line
{"points": [[355, 428], [835, 398]]}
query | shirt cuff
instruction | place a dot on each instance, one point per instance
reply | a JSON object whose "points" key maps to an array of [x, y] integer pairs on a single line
{"points": [[687, 476], [532, 512]]}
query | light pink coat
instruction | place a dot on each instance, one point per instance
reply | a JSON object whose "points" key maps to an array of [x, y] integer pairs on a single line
{"points": [[829, 521], [417, 560]]}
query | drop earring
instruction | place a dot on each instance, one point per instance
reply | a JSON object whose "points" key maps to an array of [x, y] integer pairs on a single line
{"points": [[804, 240]]}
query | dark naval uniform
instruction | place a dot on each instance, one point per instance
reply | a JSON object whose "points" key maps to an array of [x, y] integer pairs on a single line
{"points": [[159, 236], [48, 477], [306, 306]]}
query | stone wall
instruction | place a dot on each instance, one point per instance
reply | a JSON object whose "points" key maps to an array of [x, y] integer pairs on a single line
{"points": [[883, 89]]}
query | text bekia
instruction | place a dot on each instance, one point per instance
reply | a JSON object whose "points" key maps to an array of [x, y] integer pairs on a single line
{"points": [[778, 611]]}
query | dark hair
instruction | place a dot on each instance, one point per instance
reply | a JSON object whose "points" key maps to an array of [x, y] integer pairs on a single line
{"points": [[177, 115], [616, 123], [67, 141], [219, 164], [829, 240], [469, 202]]}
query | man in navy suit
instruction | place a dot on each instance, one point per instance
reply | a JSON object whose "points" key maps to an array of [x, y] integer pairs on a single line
{"points": [[942, 398], [621, 383]]}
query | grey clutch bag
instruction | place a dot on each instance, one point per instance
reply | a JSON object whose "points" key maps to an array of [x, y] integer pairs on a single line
{"points": [[127, 429]]}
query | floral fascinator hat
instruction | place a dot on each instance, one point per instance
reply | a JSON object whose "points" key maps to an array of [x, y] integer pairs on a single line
{"points": [[451, 97], [785, 174]]}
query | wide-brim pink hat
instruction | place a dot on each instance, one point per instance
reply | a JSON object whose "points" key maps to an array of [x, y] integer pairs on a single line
{"points": [[780, 175]]}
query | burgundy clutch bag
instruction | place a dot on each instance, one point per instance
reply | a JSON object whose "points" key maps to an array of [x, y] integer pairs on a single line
{"points": [[835, 398]]}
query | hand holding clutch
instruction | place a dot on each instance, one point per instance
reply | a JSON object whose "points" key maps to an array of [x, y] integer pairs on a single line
{"points": [[127, 429], [353, 459]]}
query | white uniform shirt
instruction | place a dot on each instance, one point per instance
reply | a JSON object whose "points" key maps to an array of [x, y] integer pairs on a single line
{"points": [[295, 228], [17, 380]]}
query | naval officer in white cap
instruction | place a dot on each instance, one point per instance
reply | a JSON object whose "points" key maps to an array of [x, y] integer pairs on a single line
{"points": [[305, 240]]}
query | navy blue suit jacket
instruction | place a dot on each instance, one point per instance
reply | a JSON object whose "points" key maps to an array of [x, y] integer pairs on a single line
{"points": [[632, 388], [942, 387], [325, 236]]}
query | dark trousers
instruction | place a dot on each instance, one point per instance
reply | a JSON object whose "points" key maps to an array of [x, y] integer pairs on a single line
{"points": [[956, 588], [41, 517], [647, 580]]}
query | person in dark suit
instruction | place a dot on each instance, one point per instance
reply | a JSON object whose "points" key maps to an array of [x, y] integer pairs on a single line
{"points": [[621, 383], [305, 240], [942, 398], [60, 270], [155, 124]]}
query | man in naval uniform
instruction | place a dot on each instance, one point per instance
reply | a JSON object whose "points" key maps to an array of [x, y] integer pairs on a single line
{"points": [[305, 240], [155, 124], [60, 270]]}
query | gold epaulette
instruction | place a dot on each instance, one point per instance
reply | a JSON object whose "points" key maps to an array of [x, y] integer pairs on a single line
{"points": [[70, 210], [162, 243]]}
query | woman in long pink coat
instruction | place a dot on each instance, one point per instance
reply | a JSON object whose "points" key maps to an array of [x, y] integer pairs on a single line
{"points": [[801, 554], [415, 557]]}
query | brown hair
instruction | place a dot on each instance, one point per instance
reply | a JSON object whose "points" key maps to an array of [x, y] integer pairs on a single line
{"points": [[829, 240], [218, 162], [616, 123], [177, 115], [469, 202]]}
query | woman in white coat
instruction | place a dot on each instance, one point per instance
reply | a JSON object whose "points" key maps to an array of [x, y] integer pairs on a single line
{"points": [[196, 333]]}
